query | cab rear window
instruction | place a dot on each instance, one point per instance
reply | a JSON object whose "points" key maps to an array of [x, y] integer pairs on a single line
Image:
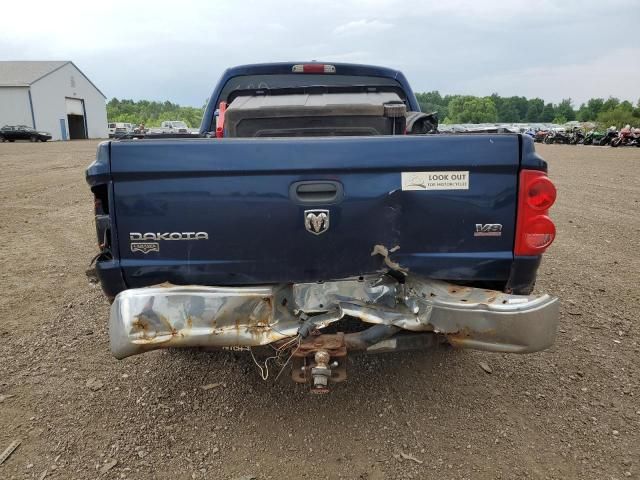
{"points": [[290, 80]]}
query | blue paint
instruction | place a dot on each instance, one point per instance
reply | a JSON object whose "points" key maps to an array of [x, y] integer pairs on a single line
{"points": [[237, 190], [63, 129], [33, 117]]}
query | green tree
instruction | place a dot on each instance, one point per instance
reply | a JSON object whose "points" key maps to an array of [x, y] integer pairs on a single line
{"points": [[610, 103], [152, 113], [621, 115], [521, 106], [589, 111], [534, 110], [433, 102], [564, 109], [548, 113], [469, 109]]}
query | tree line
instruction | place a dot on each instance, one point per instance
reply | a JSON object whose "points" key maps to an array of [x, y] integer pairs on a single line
{"points": [[497, 109], [450, 108], [152, 114]]}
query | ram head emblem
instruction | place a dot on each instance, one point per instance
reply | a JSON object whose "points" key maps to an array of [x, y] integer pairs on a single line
{"points": [[316, 221]]}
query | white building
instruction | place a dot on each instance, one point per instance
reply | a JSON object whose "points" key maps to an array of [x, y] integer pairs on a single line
{"points": [[54, 97]]}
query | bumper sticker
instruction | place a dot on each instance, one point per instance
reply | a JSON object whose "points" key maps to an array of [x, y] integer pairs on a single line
{"points": [[458, 180]]}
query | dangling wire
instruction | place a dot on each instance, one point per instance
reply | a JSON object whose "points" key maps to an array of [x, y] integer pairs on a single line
{"points": [[290, 355], [264, 369]]}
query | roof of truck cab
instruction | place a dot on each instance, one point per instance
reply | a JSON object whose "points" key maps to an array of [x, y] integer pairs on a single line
{"points": [[285, 67], [277, 68]]}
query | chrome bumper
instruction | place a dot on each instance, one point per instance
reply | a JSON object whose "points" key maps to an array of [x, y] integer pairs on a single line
{"points": [[173, 316]]}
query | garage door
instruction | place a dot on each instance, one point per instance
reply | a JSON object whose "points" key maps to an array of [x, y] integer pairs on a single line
{"points": [[75, 119], [74, 106]]}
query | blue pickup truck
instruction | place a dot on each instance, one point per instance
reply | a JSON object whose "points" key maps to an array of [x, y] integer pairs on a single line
{"points": [[320, 213]]}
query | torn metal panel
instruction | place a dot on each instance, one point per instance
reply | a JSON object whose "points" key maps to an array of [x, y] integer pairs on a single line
{"points": [[321, 297], [385, 252], [160, 317]]}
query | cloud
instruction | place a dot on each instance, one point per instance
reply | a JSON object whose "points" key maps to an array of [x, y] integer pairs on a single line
{"points": [[276, 27], [614, 74], [360, 27], [151, 49]]}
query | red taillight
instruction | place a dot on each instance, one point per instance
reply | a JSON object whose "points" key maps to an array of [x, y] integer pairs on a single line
{"points": [[541, 193], [538, 233], [220, 120], [313, 68], [534, 230]]}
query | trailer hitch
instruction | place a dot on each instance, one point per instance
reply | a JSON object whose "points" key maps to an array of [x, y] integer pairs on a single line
{"points": [[321, 360]]}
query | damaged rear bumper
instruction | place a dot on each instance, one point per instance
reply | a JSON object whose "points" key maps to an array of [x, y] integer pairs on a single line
{"points": [[196, 316]]}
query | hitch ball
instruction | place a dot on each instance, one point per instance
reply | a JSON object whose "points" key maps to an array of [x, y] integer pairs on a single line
{"points": [[321, 372]]}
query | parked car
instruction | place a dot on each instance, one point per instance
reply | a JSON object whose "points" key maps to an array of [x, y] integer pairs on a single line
{"points": [[119, 129], [344, 225], [172, 126], [11, 133]]}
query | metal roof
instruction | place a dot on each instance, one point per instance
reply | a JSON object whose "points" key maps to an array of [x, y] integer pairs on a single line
{"points": [[23, 73]]}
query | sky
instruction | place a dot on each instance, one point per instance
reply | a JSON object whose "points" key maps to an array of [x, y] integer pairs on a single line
{"points": [[176, 50]]}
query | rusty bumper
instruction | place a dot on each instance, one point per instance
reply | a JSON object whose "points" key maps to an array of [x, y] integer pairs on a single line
{"points": [[182, 316]]}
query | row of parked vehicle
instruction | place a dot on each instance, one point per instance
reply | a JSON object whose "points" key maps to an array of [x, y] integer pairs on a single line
{"points": [[168, 127], [626, 137], [572, 133]]}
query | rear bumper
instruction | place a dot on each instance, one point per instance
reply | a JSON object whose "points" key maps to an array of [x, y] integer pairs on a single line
{"points": [[181, 316]]}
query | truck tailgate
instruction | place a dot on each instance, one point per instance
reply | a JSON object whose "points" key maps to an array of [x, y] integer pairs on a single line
{"points": [[253, 199]]}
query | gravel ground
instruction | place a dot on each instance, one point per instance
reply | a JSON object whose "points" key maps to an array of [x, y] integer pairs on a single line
{"points": [[570, 412]]}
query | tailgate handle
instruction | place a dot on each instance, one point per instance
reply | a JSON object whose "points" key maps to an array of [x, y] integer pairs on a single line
{"points": [[321, 191]]}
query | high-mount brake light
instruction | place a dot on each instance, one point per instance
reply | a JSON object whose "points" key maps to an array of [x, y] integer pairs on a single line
{"points": [[313, 68], [534, 229]]}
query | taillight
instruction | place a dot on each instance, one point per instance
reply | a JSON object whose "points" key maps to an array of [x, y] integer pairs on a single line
{"points": [[313, 68], [541, 193], [220, 120], [534, 229]]}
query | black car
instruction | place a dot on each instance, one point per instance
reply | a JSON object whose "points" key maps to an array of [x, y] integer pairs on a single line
{"points": [[10, 133]]}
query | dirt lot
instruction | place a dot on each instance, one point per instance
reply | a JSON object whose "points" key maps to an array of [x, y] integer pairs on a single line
{"points": [[570, 412]]}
